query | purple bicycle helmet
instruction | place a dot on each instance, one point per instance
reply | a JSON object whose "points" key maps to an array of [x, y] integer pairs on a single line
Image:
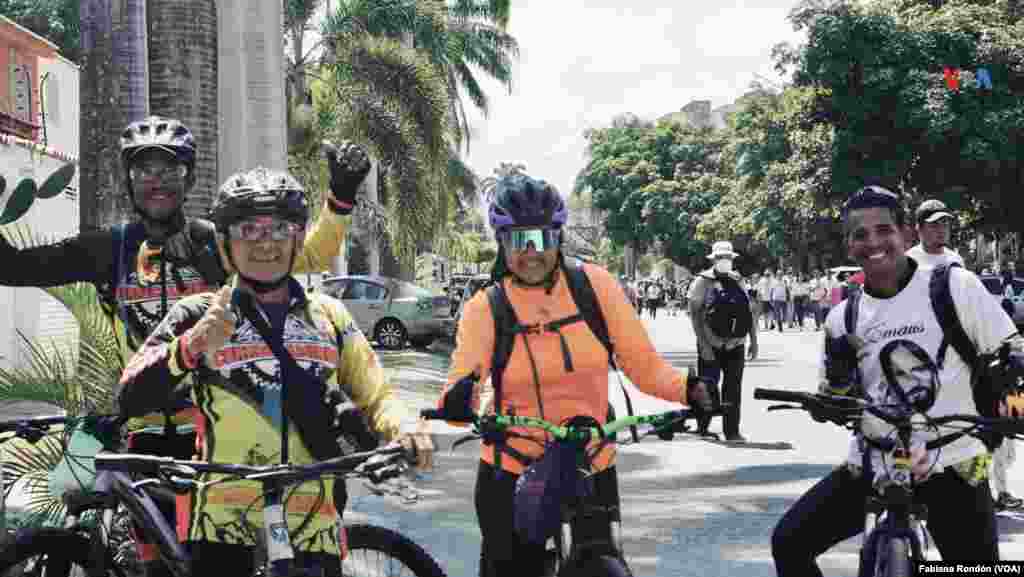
{"points": [[523, 201]]}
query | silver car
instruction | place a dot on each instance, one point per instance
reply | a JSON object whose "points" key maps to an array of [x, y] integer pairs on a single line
{"points": [[391, 311]]}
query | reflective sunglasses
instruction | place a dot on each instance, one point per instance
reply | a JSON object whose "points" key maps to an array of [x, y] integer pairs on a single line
{"points": [[252, 231], [540, 239], [162, 171]]}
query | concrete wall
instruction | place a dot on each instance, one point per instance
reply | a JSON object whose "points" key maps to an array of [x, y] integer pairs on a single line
{"points": [[250, 86]]}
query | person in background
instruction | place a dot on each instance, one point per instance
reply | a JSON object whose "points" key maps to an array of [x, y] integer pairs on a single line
{"points": [[934, 227], [819, 298], [653, 299], [764, 295], [752, 286], [800, 291], [719, 307], [779, 292]]}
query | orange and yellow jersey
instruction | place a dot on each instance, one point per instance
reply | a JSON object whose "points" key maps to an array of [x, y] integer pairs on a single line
{"points": [[563, 393]]}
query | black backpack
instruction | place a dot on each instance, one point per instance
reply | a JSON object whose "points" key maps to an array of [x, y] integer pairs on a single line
{"points": [[984, 390], [728, 314], [507, 326]]}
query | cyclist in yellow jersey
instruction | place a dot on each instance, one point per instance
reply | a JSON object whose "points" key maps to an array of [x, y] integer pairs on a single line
{"points": [[248, 411], [552, 373]]}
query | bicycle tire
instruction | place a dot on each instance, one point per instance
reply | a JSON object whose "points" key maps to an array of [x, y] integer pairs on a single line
{"points": [[64, 550], [363, 539], [596, 566]]}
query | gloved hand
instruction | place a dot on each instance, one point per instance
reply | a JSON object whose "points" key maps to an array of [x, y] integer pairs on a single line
{"points": [[457, 402], [349, 164], [351, 425]]}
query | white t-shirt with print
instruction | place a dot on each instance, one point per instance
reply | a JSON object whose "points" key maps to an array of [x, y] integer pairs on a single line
{"points": [[927, 260], [909, 316]]}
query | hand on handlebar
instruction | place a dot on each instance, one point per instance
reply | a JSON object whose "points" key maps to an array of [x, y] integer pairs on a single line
{"points": [[419, 446], [1012, 406]]}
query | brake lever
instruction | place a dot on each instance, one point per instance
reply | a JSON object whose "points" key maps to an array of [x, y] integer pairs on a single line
{"points": [[781, 407]]}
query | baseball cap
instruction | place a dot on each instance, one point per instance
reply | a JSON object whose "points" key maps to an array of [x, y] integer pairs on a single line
{"points": [[932, 211]]}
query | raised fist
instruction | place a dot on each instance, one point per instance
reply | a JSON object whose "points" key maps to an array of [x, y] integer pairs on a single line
{"points": [[349, 164]]}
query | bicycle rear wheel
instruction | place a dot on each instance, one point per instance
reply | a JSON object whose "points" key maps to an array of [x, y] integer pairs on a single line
{"points": [[596, 566], [49, 552], [379, 552]]}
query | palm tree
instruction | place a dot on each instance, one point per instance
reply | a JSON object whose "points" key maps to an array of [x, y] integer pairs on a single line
{"points": [[78, 383], [113, 88]]}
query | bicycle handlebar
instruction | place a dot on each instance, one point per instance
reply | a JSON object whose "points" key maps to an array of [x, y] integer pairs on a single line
{"points": [[842, 409], [282, 474], [499, 423]]}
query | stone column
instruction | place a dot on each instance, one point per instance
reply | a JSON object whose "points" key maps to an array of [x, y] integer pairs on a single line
{"points": [[251, 98]]}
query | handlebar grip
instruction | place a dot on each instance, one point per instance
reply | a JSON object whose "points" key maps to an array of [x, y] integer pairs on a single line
{"points": [[440, 415], [780, 396], [131, 463]]}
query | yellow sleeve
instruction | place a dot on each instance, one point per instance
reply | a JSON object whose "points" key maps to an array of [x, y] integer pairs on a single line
{"points": [[634, 350], [323, 242], [360, 369]]}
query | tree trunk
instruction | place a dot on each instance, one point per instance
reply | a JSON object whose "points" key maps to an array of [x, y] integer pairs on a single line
{"points": [[183, 64], [112, 93]]}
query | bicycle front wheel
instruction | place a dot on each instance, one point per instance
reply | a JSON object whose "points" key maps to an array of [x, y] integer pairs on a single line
{"points": [[382, 552], [49, 552], [897, 559], [596, 566]]}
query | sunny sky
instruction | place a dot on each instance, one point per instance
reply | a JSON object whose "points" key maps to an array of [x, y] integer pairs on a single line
{"points": [[584, 61]]}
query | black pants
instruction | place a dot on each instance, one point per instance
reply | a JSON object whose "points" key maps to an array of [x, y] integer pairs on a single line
{"points": [[799, 310], [503, 553], [960, 520], [727, 368]]}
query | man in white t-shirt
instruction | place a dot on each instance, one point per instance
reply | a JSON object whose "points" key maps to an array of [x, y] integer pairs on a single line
{"points": [[934, 227], [897, 343]]}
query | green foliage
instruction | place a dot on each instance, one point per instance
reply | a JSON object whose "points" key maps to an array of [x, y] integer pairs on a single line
{"points": [[880, 67], [654, 183], [55, 20]]}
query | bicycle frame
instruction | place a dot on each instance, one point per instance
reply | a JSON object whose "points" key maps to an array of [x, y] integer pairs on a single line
{"points": [[113, 487]]}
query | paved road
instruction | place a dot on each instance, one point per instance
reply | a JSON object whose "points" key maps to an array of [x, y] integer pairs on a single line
{"points": [[689, 508]]}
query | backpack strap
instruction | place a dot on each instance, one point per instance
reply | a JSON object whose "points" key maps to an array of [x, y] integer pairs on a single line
{"points": [[586, 301], [852, 308], [505, 322], [203, 252], [945, 311]]}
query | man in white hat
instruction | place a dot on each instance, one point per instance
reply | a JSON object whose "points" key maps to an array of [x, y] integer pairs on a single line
{"points": [[722, 317], [934, 228]]}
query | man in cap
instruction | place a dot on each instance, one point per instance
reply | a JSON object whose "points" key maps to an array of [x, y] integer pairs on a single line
{"points": [[934, 224], [722, 317]]}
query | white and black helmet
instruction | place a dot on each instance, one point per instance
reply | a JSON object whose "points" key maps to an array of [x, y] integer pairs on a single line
{"points": [[158, 132], [260, 192]]}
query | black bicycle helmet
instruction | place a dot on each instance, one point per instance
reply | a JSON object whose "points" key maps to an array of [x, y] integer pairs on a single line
{"points": [[520, 200], [158, 132], [260, 192]]}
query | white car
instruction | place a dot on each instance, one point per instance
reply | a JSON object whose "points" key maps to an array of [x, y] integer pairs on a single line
{"points": [[391, 311]]}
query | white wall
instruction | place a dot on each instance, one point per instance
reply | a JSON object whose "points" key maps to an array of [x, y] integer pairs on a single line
{"points": [[30, 310]]}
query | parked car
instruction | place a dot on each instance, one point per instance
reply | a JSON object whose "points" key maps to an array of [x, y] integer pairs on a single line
{"points": [[391, 311], [472, 286], [994, 284]]}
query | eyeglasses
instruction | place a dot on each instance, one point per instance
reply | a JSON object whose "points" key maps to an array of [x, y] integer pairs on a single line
{"points": [[540, 239], [252, 231], [162, 171]]}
